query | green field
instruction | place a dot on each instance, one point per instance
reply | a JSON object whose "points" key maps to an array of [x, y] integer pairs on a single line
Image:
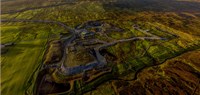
{"points": [[21, 62], [178, 21]]}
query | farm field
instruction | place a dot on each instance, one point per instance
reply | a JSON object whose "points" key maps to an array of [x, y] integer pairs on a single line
{"points": [[100, 47]]}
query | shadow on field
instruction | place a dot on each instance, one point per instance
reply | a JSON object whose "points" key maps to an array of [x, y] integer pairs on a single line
{"points": [[13, 52], [155, 5], [27, 45]]}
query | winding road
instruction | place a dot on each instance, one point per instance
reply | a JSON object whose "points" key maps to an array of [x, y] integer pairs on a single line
{"points": [[38, 21], [100, 60]]}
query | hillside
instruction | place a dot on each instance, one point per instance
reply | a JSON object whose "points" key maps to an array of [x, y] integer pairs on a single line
{"points": [[95, 47]]}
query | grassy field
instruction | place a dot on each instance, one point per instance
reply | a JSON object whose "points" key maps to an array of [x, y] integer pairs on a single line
{"points": [[179, 24], [142, 53], [23, 59]]}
